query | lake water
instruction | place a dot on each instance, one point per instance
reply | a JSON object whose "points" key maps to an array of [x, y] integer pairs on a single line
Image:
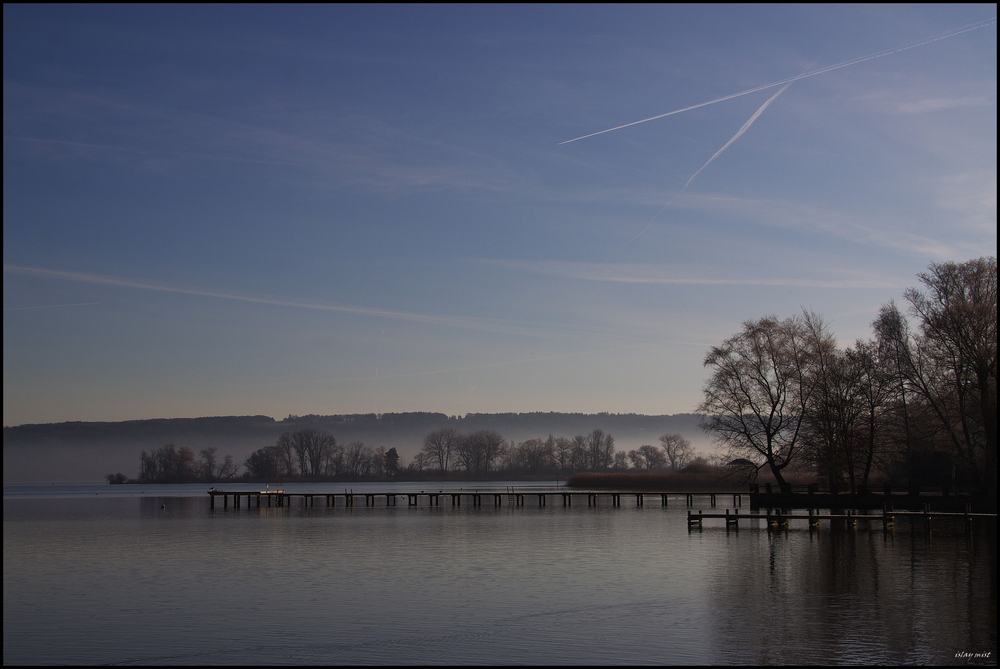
{"points": [[121, 577]]}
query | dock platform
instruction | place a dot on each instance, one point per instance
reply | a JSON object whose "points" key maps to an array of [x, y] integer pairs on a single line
{"points": [[778, 520], [513, 496]]}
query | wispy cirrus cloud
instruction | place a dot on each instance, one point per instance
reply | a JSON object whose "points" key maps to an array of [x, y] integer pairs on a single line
{"points": [[937, 104], [649, 273], [843, 224], [339, 148], [495, 325]]}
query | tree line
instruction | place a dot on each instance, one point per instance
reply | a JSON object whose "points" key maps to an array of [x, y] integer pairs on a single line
{"points": [[911, 404], [169, 464], [312, 454], [481, 452]]}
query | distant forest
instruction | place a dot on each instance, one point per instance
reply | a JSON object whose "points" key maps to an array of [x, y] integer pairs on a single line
{"points": [[78, 451], [315, 455]]}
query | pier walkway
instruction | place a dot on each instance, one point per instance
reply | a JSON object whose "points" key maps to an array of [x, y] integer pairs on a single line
{"points": [[513, 496], [775, 519]]}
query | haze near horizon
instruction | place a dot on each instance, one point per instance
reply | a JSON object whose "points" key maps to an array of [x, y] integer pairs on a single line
{"points": [[274, 210]]}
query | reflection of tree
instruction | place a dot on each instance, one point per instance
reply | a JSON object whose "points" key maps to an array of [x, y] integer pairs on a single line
{"points": [[834, 598]]}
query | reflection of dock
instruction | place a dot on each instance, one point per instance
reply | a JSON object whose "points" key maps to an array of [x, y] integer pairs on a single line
{"points": [[849, 519], [513, 496]]}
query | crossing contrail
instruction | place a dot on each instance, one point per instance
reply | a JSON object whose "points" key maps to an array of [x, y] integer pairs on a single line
{"points": [[737, 135], [742, 130], [848, 63]]}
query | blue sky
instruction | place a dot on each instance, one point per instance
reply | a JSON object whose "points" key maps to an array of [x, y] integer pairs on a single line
{"points": [[336, 209]]}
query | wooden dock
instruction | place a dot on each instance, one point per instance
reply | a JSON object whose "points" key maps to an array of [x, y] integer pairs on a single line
{"points": [[512, 496], [849, 519]]}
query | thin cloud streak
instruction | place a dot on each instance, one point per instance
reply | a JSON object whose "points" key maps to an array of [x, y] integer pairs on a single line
{"points": [[274, 301], [540, 330], [52, 306], [836, 223], [856, 61], [665, 274]]}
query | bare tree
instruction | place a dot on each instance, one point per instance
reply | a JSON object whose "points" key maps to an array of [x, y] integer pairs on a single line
{"points": [[756, 397], [229, 468], [208, 463], [677, 451], [600, 450], [895, 356], [377, 456], [874, 390], [312, 448], [647, 458], [419, 463], [440, 446], [354, 454], [533, 455], [479, 451], [579, 455], [620, 461], [957, 359], [562, 452], [285, 451]]}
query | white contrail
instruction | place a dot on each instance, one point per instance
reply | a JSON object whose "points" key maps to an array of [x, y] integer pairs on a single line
{"points": [[742, 130], [52, 306], [953, 33], [505, 326], [737, 135]]}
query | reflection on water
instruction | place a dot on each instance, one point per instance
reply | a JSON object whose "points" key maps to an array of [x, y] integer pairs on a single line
{"points": [[856, 597], [161, 579]]}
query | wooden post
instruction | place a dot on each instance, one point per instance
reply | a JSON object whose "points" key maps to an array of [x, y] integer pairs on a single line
{"points": [[734, 519]]}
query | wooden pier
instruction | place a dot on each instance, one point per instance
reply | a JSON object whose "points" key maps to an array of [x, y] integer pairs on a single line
{"points": [[849, 519], [512, 496]]}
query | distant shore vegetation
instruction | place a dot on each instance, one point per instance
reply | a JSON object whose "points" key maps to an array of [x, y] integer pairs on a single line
{"points": [[445, 454]]}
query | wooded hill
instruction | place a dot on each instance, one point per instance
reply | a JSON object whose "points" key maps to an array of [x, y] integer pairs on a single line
{"points": [[86, 451]]}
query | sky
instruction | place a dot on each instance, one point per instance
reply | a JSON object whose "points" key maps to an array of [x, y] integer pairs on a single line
{"points": [[262, 209]]}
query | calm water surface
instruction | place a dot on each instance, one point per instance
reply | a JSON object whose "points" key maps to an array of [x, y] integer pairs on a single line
{"points": [[160, 578]]}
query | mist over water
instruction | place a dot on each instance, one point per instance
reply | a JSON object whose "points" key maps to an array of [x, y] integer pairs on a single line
{"points": [[126, 578]]}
